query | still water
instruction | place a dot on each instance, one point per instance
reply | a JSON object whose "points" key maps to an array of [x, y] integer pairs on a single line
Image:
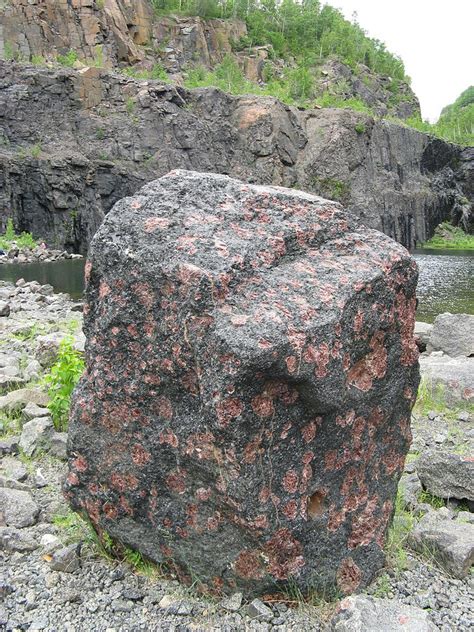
{"points": [[446, 282], [65, 275]]}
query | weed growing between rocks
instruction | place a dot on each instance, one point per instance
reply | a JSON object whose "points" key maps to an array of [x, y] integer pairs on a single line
{"points": [[61, 381], [431, 399]]}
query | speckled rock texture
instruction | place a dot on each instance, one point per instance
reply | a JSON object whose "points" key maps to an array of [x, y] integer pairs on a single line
{"points": [[250, 372]]}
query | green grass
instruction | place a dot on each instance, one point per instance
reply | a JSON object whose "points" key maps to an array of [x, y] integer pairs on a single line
{"points": [[401, 527], [432, 398], [436, 502], [157, 72], [448, 236]]}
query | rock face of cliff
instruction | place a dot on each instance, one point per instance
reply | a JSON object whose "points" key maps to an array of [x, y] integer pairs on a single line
{"points": [[251, 370], [98, 136]]}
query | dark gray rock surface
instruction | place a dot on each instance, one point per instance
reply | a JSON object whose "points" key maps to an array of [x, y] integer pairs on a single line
{"points": [[102, 136], [251, 370]]}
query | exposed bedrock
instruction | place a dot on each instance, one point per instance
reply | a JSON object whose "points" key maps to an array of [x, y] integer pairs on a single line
{"points": [[98, 136], [251, 368]]}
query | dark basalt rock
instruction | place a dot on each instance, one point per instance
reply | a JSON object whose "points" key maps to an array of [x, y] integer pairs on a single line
{"points": [[251, 368]]}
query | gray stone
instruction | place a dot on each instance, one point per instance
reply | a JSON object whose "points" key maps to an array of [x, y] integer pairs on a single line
{"points": [[451, 542], [16, 540], [232, 603], [464, 415], [32, 411], [36, 435], [13, 468], [17, 508], [258, 610], [10, 445], [369, 614], [50, 543], [447, 475], [4, 309], [58, 445], [17, 400], [453, 334], [11, 483], [32, 370], [422, 333], [66, 559]]}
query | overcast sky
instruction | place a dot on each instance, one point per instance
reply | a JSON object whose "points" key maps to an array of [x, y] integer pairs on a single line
{"points": [[435, 39]]}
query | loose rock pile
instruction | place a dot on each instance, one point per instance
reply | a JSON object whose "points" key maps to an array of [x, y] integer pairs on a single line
{"points": [[16, 254]]}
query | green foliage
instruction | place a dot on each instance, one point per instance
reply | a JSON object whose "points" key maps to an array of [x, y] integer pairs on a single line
{"points": [[38, 60], [61, 380], [360, 128], [36, 150], [456, 123], [130, 105], [100, 4], [157, 72], [303, 30], [23, 240], [328, 100], [68, 59], [382, 586], [449, 236], [227, 76], [8, 52], [331, 188]]}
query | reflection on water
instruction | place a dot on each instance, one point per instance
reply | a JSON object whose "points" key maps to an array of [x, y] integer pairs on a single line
{"points": [[66, 275], [446, 282]]}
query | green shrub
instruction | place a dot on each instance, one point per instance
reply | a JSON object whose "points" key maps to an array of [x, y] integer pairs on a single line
{"points": [[23, 240], [359, 128], [61, 380], [68, 59], [36, 150]]}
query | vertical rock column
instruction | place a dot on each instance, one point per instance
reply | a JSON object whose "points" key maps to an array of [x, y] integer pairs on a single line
{"points": [[245, 410]]}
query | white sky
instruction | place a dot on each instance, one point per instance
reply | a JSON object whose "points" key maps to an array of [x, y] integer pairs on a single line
{"points": [[434, 38]]}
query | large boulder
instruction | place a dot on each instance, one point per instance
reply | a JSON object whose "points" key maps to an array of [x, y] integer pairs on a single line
{"points": [[250, 372]]}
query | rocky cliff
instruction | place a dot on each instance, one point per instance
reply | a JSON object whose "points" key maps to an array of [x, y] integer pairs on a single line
{"points": [[74, 142], [118, 33]]}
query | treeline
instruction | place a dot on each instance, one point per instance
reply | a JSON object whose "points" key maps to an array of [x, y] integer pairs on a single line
{"points": [[305, 30], [456, 122]]}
